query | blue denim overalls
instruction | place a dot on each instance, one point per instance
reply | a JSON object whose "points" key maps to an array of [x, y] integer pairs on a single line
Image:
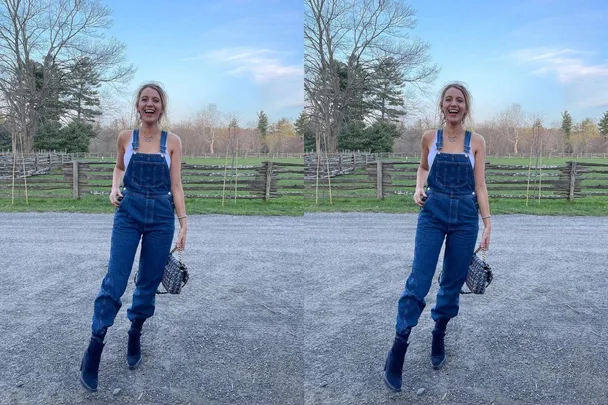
{"points": [[451, 213], [147, 213]]}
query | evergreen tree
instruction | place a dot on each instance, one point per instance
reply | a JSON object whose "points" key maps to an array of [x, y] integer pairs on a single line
{"points": [[82, 100], [387, 97], [263, 129], [567, 128], [603, 126]]}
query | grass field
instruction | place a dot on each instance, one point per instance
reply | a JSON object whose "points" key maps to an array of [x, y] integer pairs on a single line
{"points": [[294, 206]]}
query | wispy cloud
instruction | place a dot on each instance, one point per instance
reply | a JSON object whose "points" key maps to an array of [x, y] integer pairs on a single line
{"points": [[282, 83], [586, 82], [263, 65]]}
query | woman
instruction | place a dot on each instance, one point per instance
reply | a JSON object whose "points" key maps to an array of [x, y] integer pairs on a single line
{"points": [[150, 160], [452, 163]]}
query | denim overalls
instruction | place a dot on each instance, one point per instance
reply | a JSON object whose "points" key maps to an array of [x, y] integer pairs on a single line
{"points": [[147, 213], [451, 213]]}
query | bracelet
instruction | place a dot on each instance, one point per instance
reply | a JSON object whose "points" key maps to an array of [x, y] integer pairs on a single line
{"points": [[486, 217], [183, 216]]}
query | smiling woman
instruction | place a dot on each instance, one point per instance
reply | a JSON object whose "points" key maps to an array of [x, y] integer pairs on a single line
{"points": [[452, 164], [145, 210]]}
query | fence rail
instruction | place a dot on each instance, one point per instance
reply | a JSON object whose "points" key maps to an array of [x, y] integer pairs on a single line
{"points": [[347, 176], [77, 179], [384, 178]]}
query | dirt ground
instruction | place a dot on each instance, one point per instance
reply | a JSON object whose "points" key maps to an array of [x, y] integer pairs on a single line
{"points": [[537, 337], [302, 310], [232, 337]]}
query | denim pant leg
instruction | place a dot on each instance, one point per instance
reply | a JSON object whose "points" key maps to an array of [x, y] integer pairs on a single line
{"points": [[155, 247], [459, 247], [430, 234], [125, 239]]}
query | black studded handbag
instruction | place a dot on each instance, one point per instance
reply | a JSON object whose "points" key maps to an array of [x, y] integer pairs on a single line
{"points": [[479, 275], [175, 275]]}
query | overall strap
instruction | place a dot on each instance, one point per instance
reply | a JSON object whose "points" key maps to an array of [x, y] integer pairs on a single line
{"points": [[163, 142], [439, 143], [467, 142], [135, 143]]}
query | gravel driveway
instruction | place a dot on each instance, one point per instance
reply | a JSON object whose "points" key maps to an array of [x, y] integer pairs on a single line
{"points": [[232, 337], [538, 336], [283, 310]]}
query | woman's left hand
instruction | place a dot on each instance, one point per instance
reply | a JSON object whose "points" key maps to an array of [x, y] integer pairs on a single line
{"points": [[181, 239], [485, 239]]}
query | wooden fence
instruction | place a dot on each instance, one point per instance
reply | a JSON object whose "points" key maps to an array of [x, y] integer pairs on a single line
{"points": [[384, 178], [77, 179]]}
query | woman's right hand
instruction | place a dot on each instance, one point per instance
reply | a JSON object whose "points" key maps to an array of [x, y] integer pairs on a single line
{"points": [[419, 196], [115, 196]]}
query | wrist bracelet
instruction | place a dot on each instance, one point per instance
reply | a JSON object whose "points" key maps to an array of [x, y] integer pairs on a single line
{"points": [[486, 217], [183, 216]]}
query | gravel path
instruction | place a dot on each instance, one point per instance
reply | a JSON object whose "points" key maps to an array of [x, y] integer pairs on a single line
{"points": [[537, 336], [232, 337], [301, 310]]}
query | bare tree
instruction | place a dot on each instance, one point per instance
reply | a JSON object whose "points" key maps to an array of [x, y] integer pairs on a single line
{"points": [[40, 41], [355, 35], [208, 121], [511, 122]]}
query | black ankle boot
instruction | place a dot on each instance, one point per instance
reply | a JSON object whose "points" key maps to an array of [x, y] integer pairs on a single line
{"points": [[438, 345], [134, 346], [393, 368], [89, 367]]}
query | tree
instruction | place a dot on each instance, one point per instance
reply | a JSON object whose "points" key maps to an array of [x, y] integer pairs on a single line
{"points": [[305, 130], [387, 94], [603, 126], [263, 129], [50, 36], [567, 128], [208, 120], [588, 131], [83, 91], [360, 33], [511, 121], [74, 137]]}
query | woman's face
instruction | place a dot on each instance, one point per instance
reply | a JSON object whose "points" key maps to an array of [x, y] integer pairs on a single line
{"points": [[150, 106], [454, 106]]}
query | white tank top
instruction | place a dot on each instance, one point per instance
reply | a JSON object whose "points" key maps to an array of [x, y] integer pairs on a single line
{"points": [[129, 153], [433, 153]]}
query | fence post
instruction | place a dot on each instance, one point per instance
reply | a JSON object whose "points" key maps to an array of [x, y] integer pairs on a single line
{"points": [[268, 180], [572, 180], [75, 174], [379, 190]]}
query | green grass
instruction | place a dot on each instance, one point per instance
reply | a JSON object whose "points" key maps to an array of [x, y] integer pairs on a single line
{"points": [[288, 206], [594, 206]]}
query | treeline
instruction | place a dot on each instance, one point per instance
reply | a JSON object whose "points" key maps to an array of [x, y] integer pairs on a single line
{"points": [[210, 131]]}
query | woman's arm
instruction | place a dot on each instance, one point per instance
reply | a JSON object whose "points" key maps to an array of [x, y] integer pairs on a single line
{"points": [[423, 169], [177, 189], [481, 189], [119, 168]]}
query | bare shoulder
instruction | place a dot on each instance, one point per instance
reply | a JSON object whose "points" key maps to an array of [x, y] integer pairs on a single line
{"points": [[429, 136], [124, 136], [174, 139]]}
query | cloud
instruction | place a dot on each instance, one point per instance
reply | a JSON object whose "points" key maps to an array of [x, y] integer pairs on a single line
{"points": [[586, 83], [282, 83]]}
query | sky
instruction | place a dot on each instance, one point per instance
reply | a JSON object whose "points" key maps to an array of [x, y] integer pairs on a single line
{"points": [[242, 55], [546, 55]]}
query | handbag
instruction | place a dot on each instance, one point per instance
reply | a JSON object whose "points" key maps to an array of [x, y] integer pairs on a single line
{"points": [[479, 275], [175, 275]]}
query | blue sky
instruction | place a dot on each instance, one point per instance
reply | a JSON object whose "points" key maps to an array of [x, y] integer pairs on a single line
{"points": [[547, 55], [243, 55]]}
